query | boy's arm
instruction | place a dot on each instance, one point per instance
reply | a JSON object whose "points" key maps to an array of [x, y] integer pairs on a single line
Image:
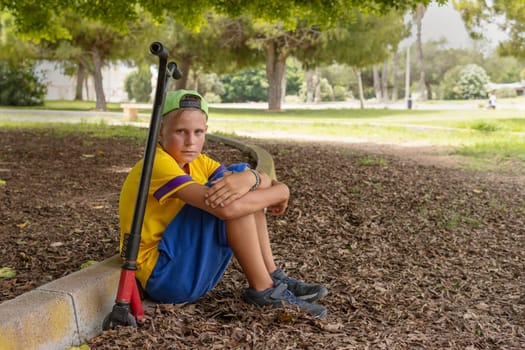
{"points": [[233, 186], [276, 194]]}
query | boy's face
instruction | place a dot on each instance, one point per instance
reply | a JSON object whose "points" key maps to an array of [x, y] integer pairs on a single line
{"points": [[182, 134]]}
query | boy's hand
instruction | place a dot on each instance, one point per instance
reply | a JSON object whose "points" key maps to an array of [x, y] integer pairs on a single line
{"points": [[228, 188], [278, 209]]}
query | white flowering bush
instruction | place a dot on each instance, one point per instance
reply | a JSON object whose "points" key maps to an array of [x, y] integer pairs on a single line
{"points": [[465, 83]]}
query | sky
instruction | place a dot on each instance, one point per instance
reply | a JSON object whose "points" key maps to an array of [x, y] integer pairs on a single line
{"points": [[445, 21]]}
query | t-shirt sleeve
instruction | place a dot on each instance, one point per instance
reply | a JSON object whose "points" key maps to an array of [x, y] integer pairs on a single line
{"points": [[213, 167], [167, 177]]}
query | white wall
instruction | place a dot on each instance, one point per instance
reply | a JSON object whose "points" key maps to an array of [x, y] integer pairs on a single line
{"points": [[62, 87]]}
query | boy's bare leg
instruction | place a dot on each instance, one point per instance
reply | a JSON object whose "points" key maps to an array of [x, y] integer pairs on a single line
{"points": [[245, 243], [264, 241]]}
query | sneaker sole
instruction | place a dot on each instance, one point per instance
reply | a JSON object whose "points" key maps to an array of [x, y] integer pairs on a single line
{"points": [[313, 297]]}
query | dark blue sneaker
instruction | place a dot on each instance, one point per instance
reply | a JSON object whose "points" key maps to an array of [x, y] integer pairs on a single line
{"points": [[306, 291], [279, 295]]}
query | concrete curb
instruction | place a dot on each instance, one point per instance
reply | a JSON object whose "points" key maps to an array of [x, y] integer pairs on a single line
{"points": [[70, 310]]}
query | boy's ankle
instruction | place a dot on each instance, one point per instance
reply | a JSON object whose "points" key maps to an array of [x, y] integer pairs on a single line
{"points": [[306, 291]]}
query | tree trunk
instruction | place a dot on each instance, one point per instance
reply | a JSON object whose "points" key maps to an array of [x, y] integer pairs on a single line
{"points": [[420, 13], [275, 64], [184, 66], [195, 80], [384, 81], [86, 87], [377, 83], [283, 86], [429, 91], [309, 85], [360, 87], [81, 75], [97, 78], [317, 96], [395, 58]]}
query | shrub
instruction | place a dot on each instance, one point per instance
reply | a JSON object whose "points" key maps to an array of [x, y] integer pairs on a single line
{"points": [[340, 93], [19, 86], [212, 97], [138, 85], [327, 93], [506, 93], [248, 85], [465, 82]]}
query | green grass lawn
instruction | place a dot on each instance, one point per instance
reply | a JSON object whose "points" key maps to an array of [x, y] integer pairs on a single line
{"points": [[61, 105], [496, 135]]}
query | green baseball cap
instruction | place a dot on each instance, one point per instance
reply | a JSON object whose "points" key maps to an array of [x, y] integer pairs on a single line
{"points": [[173, 101]]}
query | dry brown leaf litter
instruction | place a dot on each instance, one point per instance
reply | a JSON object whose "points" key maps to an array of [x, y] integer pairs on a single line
{"points": [[415, 256]]}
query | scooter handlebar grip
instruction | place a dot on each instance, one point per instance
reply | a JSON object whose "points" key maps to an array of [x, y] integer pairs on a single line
{"points": [[174, 71], [158, 49]]}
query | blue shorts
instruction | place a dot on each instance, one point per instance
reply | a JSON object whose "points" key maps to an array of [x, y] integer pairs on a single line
{"points": [[194, 253]]}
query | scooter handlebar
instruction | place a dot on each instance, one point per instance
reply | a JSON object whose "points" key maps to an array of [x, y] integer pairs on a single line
{"points": [[174, 71], [158, 49]]}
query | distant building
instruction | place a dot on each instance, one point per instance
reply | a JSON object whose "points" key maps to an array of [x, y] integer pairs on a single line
{"points": [[519, 87], [62, 87]]}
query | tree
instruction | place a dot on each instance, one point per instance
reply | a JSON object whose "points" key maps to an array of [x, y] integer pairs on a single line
{"points": [[278, 44], [440, 59], [92, 45], [42, 20], [419, 14], [502, 69], [219, 46], [477, 13], [364, 41]]}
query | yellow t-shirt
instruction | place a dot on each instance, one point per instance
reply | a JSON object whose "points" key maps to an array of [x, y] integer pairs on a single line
{"points": [[161, 206]]}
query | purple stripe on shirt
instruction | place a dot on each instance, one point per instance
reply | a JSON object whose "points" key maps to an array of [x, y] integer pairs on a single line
{"points": [[219, 169], [171, 185]]}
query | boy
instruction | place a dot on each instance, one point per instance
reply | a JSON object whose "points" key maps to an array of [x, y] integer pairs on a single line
{"points": [[199, 213]]}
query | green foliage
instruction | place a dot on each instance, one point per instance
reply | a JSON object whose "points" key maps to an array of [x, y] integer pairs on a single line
{"points": [[371, 161], [247, 85], [19, 86], [439, 59], [502, 69], [294, 77], [363, 39], [484, 126], [138, 85], [472, 82], [448, 87], [340, 75], [340, 93], [506, 93], [327, 92], [511, 14], [465, 82], [207, 84], [41, 17]]}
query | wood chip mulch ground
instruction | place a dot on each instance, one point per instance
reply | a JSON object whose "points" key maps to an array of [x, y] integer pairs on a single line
{"points": [[415, 256]]}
